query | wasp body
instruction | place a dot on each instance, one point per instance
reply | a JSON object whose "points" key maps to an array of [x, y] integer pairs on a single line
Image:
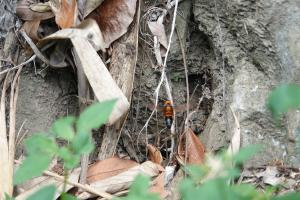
{"points": [[168, 112]]}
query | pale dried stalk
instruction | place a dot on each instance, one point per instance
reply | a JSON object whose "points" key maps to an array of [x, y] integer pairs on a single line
{"points": [[163, 75], [37, 52], [4, 167], [20, 65], [236, 138], [12, 127], [86, 188]]}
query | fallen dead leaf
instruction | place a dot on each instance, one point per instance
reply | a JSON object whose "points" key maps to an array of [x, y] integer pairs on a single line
{"points": [[158, 186], [24, 11], [194, 148], [154, 154], [108, 168], [123, 180], [91, 5], [271, 176], [31, 29], [65, 12], [86, 40], [88, 29], [114, 18], [37, 183], [157, 28]]}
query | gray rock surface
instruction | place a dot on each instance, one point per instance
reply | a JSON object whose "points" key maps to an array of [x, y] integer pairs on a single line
{"points": [[257, 47], [7, 16]]}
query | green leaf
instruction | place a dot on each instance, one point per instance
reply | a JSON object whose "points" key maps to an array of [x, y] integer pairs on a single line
{"points": [[40, 143], [70, 160], [32, 166], [63, 128], [139, 190], [66, 196], [289, 196], [46, 193], [246, 153], [196, 172], [94, 116], [82, 143], [284, 98], [7, 197]]}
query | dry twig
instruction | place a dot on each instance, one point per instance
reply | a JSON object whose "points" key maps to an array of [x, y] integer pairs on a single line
{"points": [[12, 125], [163, 77], [86, 188]]}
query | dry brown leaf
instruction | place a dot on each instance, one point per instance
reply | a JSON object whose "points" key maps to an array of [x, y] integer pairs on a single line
{"points": [[25, 12], [114, 18], [154, 154], [31, 28], [88, 29], [123, 180], [194, 148], [158, 186], [86, 39], [101, 81], [91, 5], [157, 28], [65, 12], [107, 168]]}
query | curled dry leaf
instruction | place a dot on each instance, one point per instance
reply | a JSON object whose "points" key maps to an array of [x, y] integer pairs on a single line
{"points": [[86, 39], [194, 148], [31, 28], [158, 186], [114, 18], [91, 5], [24, 11], [157, 28], [65, 12], [108, 168], [88, 29], [123, 180], [154, 154]]}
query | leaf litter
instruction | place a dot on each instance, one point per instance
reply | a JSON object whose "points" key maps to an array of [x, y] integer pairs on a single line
{"points": [[102, 23]]}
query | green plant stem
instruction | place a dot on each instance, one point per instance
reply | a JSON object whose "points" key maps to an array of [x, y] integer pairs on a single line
{"points": [[66, 176]]}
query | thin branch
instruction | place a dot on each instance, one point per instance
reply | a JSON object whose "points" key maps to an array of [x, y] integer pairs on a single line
{"points": [[86, 188], [20, 65], [14, 91], [163, 74], [37, 52], [4, 167]]}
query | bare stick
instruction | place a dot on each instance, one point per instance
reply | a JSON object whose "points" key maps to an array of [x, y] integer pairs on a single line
{"points": [[4, 167], [18, 66], [37, 52], [163, 74], [86, 188], [12, 126], [18, 137]]}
